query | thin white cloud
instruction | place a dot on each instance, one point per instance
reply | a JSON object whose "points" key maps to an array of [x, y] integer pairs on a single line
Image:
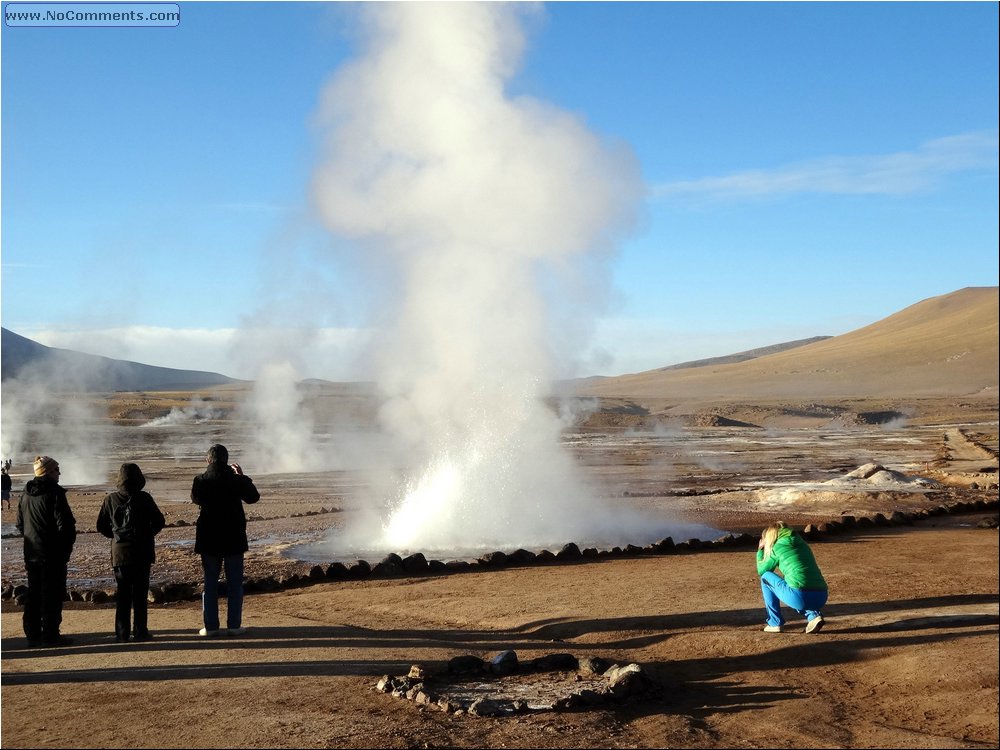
{"points": [[886, 174]]}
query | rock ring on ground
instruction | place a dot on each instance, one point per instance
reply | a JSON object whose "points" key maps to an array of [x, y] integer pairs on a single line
{"points": [[474, 686]]}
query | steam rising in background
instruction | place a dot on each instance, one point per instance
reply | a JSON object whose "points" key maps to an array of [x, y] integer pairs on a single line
{"points": [[482, 222], [281, 426], [38, 418], [492, 216], [196, 411]]}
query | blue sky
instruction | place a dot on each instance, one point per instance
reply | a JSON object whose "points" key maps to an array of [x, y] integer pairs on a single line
{"points": [[809, 168]]}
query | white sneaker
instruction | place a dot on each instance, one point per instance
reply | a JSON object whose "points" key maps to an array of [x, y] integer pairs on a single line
{"points": [[815, 624], [772, 628], [236, 631], [208, 633]]}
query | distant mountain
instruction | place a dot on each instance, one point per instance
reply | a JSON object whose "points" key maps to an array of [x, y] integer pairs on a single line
{"points": [[66, 370], [942, 346], [729, 359]]}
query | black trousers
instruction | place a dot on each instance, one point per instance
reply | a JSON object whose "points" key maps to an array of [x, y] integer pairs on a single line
{"points": [[133, 590], [44, 603]]}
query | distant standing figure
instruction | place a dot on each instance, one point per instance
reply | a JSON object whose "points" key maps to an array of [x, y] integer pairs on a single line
{"points": [[131, 519], [5, 483], [45, 520], [800, 586], [221, 536]]}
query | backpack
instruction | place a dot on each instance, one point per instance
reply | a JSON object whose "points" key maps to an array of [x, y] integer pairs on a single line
{"points": [[123, 523]]}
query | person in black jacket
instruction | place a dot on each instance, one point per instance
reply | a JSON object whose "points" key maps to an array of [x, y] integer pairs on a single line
{"points": [[131, 519], [45, 520], [221, 536]]}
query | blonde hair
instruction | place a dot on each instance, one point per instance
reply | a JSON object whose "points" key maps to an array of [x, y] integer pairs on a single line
{"points": [[770, 536]]}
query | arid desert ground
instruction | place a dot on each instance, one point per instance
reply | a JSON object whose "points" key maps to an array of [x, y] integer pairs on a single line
{"points": [[909, 657]]}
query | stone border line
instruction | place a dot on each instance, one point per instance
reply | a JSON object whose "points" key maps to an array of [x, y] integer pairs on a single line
{"points": [[395, 566]]}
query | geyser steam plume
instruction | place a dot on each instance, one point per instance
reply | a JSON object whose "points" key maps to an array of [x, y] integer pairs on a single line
{"points": [[480, 206]]}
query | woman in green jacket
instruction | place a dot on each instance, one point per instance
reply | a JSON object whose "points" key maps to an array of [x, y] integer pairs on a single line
{"points": [[800, 585]]}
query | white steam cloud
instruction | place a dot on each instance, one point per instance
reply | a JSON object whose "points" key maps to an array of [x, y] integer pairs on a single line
{"points": [[39, 419], [283, 426], [485, 209], [198, 410]]}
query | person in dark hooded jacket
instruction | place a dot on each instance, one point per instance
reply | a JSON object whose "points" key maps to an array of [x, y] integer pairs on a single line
{"points": [[131, 519], [221, 536], [47, 524]]}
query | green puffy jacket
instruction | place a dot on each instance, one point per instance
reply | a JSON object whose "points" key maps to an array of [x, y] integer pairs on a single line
{"points": [[793, 557]]}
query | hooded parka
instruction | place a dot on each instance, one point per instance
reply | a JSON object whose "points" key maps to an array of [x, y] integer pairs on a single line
{"points": [[45, 520], [148, 521]]}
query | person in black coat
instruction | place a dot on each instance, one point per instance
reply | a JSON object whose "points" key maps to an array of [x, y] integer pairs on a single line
{"points": [[221, 536], [131, 519], [47, 524]]}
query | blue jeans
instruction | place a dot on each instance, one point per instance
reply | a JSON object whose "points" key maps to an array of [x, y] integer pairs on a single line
{"points": [[213, 566], [807, 602]]}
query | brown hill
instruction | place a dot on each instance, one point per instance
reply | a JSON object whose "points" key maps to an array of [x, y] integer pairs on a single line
{"points": [[944, 346], [743, 356], [67, 370]]}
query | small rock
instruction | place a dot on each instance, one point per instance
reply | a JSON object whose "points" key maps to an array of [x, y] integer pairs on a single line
{"points": [[337, 570], [626, 681], [593, 665], [415, 563], [521, 557], [504, 663], [664, 545], [552, 662], [360, 569], [490, 707], [448, 706], [390, 565], [496, 559], [569, 551], [467, 664]]}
